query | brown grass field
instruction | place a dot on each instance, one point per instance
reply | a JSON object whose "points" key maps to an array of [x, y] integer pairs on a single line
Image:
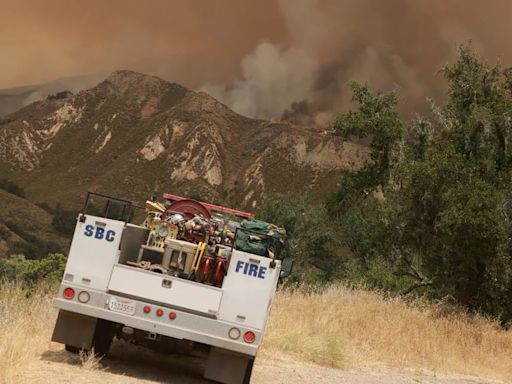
{"points": [[353, 328], [337, 327]]}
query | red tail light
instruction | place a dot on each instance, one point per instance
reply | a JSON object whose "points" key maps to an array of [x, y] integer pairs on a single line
{"points": [[159, 312], [147, 309], [69, 293], [249, 337], [172, 315]]}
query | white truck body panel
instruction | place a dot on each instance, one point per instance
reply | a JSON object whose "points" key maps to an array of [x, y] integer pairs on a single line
{"points": [[186, 326], [248, 296], [178, 293], [203, 313], [94, 251]]}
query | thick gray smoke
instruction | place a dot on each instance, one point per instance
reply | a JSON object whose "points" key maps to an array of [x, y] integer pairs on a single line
{"points": [[397, 45], [261, 57], [271, 80]]}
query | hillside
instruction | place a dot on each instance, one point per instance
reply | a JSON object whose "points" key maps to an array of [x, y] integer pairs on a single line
{"points": [[134, 134], [27, 229]]}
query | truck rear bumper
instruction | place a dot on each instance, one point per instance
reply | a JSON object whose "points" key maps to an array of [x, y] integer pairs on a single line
{"points": [[185, 326]]}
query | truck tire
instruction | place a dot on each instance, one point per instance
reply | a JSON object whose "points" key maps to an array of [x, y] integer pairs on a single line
{"points": [[248, 371], [103, 336]]}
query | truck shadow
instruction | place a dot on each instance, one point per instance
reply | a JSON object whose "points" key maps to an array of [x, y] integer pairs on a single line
{"points": [[133, 361]]}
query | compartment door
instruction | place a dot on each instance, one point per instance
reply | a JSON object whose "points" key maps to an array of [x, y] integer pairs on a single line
{"points": [[176, 292], [94, 251]]}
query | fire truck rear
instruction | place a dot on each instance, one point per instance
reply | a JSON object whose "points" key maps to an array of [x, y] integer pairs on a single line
{"points": [[192, 276]]}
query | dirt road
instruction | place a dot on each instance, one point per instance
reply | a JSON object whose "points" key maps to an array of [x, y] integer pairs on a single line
{"points": [[133, 365]]}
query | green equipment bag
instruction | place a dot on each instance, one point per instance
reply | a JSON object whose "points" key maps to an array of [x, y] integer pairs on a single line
{"points": [[258, 237]]}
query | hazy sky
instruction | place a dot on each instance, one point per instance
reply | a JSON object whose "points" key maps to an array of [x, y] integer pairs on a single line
{"points": [[44, 39], [258, 56]]}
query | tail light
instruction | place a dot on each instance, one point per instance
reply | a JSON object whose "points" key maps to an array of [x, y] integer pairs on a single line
{"points": [[147, 309], [249, 337], [69, 293], [172, 315], [83, 297], [234, 333], [159, 312]]}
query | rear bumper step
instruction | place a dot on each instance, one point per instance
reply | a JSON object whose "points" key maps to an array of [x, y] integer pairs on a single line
{"points": [[186, 326]]}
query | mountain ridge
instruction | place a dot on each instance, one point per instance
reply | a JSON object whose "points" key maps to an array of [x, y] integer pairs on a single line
{"points": [[13, 99], [133, 134]]}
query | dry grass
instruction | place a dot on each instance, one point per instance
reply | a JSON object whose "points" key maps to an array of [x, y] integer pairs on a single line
{"points": [[338, 327], [90, 361], [26, 323], [350, 328]]}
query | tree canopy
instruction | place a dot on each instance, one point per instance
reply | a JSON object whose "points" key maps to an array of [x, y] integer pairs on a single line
{"points": [[444, 220]]}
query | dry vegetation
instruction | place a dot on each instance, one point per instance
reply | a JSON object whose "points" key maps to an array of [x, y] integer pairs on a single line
{"points": [[25, 328], [350, 328], [90, 361], [338, 327]]}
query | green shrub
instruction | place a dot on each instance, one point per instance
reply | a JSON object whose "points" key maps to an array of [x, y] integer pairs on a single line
{"points": [[29, 272], [432, 204], [312, 239]]}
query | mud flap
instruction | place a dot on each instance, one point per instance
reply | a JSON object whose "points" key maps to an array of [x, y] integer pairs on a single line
{"points": [[74, 330], [228, 367]]}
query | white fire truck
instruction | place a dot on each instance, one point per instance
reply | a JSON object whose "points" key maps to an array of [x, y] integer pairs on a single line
{"points": [[193, 275]]}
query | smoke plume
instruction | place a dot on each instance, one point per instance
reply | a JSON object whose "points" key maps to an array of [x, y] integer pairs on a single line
{"points": [[397, 45], [265, 58]]}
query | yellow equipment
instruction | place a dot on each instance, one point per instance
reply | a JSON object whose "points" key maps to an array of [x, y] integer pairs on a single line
{"points": [[201, 247]]}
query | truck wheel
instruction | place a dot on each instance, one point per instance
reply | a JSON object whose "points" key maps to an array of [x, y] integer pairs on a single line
{"points": [[72, 349], [103, 336], [248, 371]]}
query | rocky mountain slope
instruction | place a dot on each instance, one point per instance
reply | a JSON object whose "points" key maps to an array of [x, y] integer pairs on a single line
{"points": [[27, 229], [134, 134]]}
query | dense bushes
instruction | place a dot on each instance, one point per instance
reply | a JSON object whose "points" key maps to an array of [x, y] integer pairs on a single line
{"points": [[29, 272], [442, 217], [312, 239], [430, 212]]}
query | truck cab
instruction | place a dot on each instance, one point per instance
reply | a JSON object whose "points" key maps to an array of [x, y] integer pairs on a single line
{"points": [[192, 275]]}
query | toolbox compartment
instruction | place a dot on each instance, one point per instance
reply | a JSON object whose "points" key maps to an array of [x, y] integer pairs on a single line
{"points": [[164, 289]]}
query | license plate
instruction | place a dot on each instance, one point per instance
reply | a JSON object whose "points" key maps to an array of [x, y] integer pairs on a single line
{"points": [[122, 305]]}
